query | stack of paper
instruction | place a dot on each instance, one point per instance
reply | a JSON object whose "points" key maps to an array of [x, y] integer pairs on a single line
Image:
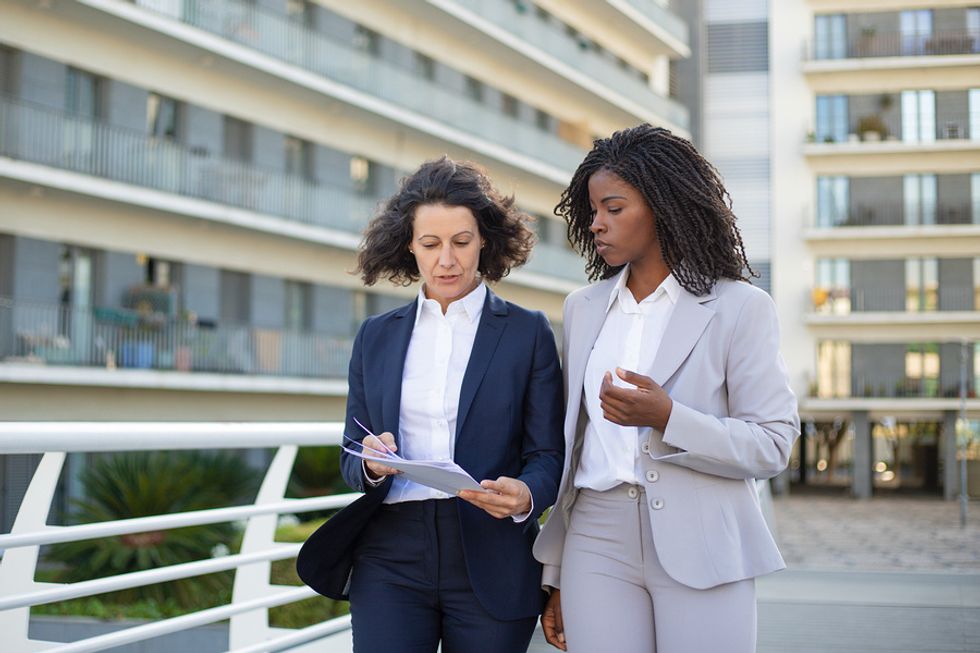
{"points": [[443, 475]]}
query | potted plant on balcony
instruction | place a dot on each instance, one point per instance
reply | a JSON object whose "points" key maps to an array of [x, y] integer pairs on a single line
{"points": [[872, 128]]}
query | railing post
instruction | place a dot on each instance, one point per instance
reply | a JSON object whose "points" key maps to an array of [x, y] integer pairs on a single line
{"points": [[253, 581], [18, 565]]}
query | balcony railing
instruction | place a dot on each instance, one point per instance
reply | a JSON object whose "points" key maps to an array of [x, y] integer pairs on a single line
{"points": [[118, 338], [253, 593], [891, 215], [875, 43], [664, 17], [845, 301], [554, 41], [876, 386], [54, 138], [294, 42]]}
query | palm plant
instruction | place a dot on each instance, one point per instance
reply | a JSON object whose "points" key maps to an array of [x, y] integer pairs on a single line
{"points": [[139, 484]]}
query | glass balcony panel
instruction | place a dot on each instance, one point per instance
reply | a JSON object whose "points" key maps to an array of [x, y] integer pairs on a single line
{"points": [[294, 42], [41, 135], [122, 338], [554, 41]]}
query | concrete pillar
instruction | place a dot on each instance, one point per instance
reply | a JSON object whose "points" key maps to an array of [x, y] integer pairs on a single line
{"points": [[951, 471], [861, 465]]}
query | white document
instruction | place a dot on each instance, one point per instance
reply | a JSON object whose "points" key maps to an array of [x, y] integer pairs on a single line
{"points": [[443, 475]]}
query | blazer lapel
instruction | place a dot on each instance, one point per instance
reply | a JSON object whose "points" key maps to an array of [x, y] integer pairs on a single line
{"points": [[687, 323], [491, 327], [588, 323], [400, 334]]}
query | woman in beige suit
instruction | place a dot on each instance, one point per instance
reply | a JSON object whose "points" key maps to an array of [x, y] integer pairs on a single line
{"points": [[677, 400]]}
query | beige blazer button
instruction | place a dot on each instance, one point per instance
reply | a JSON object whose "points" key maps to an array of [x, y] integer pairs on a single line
{"points": [[645, 447], [656, 504], [653, 476], [632, 493]]}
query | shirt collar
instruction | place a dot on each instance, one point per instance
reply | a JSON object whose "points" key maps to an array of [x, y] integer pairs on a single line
{"points": [[668, 286], [471, 303]]}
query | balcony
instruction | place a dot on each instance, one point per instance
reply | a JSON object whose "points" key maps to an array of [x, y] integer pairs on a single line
{"points": [[112, 338], [57, 139], [295, 43], [874, 43], [567, 52], [895, 215], [930, 304], [663, 17]]}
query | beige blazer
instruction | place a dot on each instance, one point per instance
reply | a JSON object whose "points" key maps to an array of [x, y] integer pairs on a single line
{"points": [[734, 419]]}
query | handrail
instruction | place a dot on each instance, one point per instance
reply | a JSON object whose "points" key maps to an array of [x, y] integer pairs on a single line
{"points": [[39, 437], [253, 591]]}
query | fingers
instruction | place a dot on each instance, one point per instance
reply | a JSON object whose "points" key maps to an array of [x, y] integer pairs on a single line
{"points": [[505, 497], [376, 445], [638, 380], [551, 621]]}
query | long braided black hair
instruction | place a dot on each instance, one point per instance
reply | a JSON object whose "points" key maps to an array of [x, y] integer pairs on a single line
{"points": [[699, 240]]}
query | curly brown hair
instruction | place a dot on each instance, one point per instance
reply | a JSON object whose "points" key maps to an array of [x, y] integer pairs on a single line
{"points": [[699, 240], [504, 229]]}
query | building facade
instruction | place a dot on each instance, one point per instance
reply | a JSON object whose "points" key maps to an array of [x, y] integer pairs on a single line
{"points": [[876, 266], [183, 183]]}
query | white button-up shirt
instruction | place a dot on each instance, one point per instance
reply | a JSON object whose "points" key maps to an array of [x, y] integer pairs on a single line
{"points": [[630, 338], [438, 354]]}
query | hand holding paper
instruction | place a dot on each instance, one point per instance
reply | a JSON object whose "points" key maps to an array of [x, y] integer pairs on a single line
{"points": [[379, 446]]}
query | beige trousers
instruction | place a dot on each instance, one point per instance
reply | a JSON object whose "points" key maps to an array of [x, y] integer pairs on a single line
{"points": [[615, 596]]}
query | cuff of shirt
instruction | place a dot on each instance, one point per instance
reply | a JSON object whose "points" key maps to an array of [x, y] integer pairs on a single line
{"points": [[523, 518], [367, 477]]}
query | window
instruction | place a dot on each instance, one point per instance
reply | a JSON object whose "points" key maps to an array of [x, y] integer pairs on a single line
{"points": [[301, 11], [6, 70], [918, 116], [833, 207], [360, 174], [921, 370], [83, 94], [975, 196], [974, 109], [236, 300], [543, 120], [425, 66], [367, 40], [508, 104], [831, 118], [474, 89], [919, 199], [833, 369], [921, 285], [237, 139], [832, 291], [916, 30], [830, 37], [299, 157], [162, 117], [297, 306]]}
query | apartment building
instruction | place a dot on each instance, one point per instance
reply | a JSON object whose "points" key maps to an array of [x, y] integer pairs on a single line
{"points": [[183, 183], [876, 266]]}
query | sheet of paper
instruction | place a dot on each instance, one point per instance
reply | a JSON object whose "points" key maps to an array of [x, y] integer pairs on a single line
{"points": [[443, 475]]}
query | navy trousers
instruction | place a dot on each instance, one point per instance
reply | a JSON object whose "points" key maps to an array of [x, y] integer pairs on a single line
{"points": [[410, 589]]}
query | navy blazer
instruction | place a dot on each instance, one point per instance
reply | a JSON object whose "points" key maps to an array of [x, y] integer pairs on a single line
{"points": [[509, 424]]}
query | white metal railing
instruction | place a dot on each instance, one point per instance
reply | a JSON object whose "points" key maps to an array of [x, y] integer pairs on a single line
{"points": [[252, 593]]}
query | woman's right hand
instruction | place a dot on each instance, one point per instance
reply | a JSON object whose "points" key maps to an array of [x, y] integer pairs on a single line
{"points": [[551, 621], [376, 470]]}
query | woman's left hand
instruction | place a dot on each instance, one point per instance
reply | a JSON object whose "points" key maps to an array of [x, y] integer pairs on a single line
{"points": [[647, 405], [506, 497]]}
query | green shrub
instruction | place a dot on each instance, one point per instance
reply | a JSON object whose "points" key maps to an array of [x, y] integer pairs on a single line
{"points": [[139, 484]]}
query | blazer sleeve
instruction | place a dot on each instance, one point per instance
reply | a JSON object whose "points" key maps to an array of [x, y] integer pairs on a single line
{"points": [[543, 448], [756, 438], [350, 466]]}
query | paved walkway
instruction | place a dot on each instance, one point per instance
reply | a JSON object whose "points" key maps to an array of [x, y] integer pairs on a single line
{"points": [[889, 574]]}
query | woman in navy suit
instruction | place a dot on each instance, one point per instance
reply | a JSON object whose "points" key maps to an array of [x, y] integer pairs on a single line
{"points": [[456, 374]]}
